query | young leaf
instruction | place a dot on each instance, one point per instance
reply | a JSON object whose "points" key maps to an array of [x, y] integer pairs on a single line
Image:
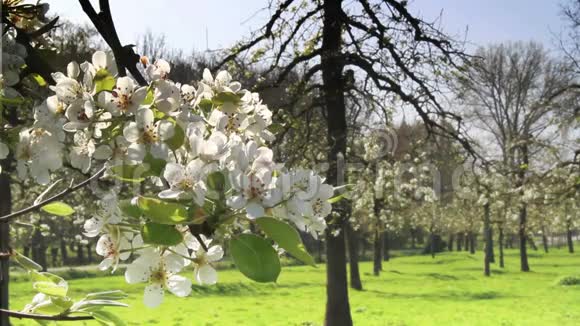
{"points": [[107, 318], [129, 209], [58, 208], [50, 288], [336, 198], [286, 237], [130, 173], [104, 81], [178, 138], [107, 295], [161, 234], [216, 181], [255, 258], [163, 212], [26, 263]]}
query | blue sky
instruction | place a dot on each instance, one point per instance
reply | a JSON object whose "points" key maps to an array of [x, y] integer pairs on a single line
{"points": [[184, 22]]}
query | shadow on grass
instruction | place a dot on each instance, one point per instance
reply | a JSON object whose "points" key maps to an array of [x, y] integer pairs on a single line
{"points": [[444, 295], [247, 289]]}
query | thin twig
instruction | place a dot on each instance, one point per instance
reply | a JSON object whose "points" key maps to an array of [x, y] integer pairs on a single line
{"points": [[65, 192], [18, 314]]}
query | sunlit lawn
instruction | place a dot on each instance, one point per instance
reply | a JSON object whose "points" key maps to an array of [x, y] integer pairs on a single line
{"points": [[417, 290]]}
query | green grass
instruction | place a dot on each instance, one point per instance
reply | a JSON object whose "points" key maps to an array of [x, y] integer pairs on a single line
{"points": [[414, 290]]}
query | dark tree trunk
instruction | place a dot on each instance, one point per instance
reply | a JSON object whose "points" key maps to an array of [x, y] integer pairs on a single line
{"points": [[471, 238], [532, 243], [501, 262], [332, 64], [488, 243], [54, 256], [352, 240], [89, 253], [386, 254], [377, 254], [39, 249], [432, 242], [450, 243], [80, 254], [544, 239], [63, 252], [413, 236], [524, 265], [569, 238], [26, 251], [364, 245], [5, 208], [466, 244], [491, 251], [459, 241]]}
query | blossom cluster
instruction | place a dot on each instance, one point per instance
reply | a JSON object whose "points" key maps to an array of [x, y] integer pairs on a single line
{"points": [[204, 151]]}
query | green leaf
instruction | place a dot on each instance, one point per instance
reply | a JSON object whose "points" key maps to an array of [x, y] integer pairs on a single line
{"points": [[223, 97], [161, 234], [58, 208], [92, 305], [38, 79], [107, 318], [46, 277], [129, 209], [205, 105], [336, 198], [216, 181], [178, 138], [26, 263], [107, 295], [50, 288], [163, 212], [156, 165], [48, 308], [286, 237], [104, 81], [130, 173], [255, 258], [150, 97]]}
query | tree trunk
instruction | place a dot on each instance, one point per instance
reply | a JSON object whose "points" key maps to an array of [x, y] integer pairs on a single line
{"points": [[524, 265], [5, 251], [413, 245], [63, 253], [466, 244], [569, 238], [39, 249], [386, 254], [432, 242], [459, 241], [488, 243], [54, 256], [26, 251], [501, 262], [352, 240], [544, 239], [491, 251], [377, 254], [89, 253], [450, 243], [332, 64], [532, 243], [80, 254], [471, 238]]}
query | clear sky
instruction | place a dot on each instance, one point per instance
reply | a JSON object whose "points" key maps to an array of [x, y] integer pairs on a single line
{"points": [[184, 22]]}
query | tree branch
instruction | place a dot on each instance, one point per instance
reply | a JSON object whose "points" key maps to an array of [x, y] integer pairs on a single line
{"points": [[21, 315], [65, 192]]}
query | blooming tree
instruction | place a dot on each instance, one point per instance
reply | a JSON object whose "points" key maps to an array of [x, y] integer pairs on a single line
{"points": [[201, 150]]}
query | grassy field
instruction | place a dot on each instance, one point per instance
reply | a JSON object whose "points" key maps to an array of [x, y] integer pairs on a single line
{"points": [[415, 290]]}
